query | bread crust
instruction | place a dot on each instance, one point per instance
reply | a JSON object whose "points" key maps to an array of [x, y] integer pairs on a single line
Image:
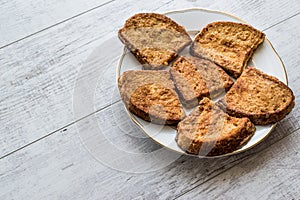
{"points": [[230, 49], [151, 95], [208, 131], [271, 100], [142, 29], [196, 78]]}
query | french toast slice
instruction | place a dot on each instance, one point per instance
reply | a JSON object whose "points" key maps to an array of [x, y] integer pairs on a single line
{"points": [[151, 95], [260, 97], [228, 44], [208, 131], [196, 78], [154, 39]]}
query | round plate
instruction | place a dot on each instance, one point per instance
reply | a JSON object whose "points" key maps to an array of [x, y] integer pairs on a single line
{"points": [[265, 58]]}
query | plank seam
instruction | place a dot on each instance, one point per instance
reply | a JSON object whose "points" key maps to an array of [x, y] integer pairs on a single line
{"points": [[282, 21], [59, 129], [241, 160], [58, 23], [71, 123], [96, 7]]}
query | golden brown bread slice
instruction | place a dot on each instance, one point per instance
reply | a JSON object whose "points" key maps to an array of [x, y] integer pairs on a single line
{"points": [[260, 97], [150, 94], [210, 131], [228, 44], [196, 78], [154, 39]]}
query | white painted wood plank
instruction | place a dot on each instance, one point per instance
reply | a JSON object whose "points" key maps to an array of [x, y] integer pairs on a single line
{"points": [[63, 160], [19, 18], [59, 167], [271, 174], [260, 14], [38, 74], [62, 166]]}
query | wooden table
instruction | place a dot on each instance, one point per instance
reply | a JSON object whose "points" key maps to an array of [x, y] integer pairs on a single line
{"points": [[44, 152]]}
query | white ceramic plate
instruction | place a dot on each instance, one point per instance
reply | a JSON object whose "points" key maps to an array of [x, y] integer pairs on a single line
{"points": [[265, 58]]}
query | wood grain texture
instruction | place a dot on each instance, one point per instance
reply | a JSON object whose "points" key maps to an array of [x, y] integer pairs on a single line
{"points": [[37, 82], [62, 167], [42, 69], [20, 19], [273, 173], [270, 174]]}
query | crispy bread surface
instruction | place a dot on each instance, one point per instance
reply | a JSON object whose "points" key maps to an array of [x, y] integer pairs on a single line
{"points": [[209, 131], [260, 97], [154, 39], [196, 78], [228, 44], [150, 94]]}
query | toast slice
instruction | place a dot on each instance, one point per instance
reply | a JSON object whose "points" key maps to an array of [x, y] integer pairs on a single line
{"points": [[196, 78], [150, 94], [228, 44], [260, 97], [154, 39], [209, 131]]}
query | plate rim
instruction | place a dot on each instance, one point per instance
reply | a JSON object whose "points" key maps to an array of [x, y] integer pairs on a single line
{"points": [[118, 70]]}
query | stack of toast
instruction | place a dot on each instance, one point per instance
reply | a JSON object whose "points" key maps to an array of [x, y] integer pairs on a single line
{"points": [[219, 55]]}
